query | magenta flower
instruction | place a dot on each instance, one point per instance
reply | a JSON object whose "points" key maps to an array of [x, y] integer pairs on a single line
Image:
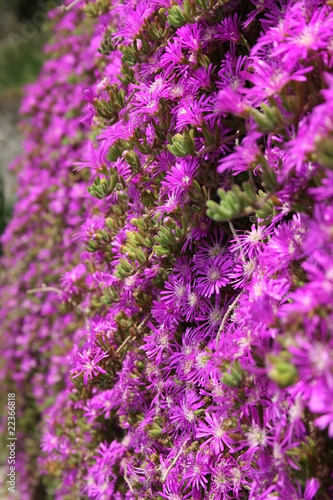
{"points": [[270, 79], [185, 415], [228, 30], [207, 251], [215, 433], [70, 278], [213, 277], [230, 101], [89, 228], [233, 72], [145, 105], [245, 157], [49, 442], [322, 402], [250, 243], [181, 175], [196, 470], [173, 55], [202, 78], [191, 112], [190, 36], [158, 343], [95, 158], [175, 293], [86, 363]]}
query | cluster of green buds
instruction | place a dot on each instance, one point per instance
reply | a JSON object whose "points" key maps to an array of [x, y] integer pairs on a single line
{"points": [[182, 144], [108, 110], [137, 245], [107, 46], [110, 295], [131, 54], [124, 322], [235, 377], [118, 148], [282, 371], [133, 160], [98, 241], [190, 11], [269, 119], [234, 203], [324, 150], [141, 142], [169, 235], [97, 8], [101, 188], [154, 430], [157, 29], [178, 16], [127, 75], [124, 269]]}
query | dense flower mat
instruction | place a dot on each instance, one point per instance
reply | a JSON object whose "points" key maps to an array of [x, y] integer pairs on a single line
{"points": [[167, 278]]}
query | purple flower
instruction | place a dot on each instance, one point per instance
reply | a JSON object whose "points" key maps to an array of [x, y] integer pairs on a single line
{"points": [[270, 79], [207, 251], [228, 30], [175, 294], [191, 112], [215, 432], [89, 229], [70, 278], [230, 101], [250, 243], [202, 79], [145, 105], [95, 158], [305, 34], [196, 470], [181, 175], [185, 414], [245, 157], [158, 343], [213, 277], [49, 442], [86, 363], [322, 402], [190, 36], [233, 72]]}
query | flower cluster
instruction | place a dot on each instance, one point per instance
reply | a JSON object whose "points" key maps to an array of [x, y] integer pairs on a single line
{"points": [[196, 277]]}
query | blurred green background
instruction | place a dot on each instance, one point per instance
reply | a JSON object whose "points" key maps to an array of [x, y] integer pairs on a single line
{"points": [[21, 40], [22, 36]]}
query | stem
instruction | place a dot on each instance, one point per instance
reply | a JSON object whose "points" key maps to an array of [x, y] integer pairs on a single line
{"points": [[140, 327], [235, 235], [67, 8], [143, 323], [124, 343], [45, 289], [127, 481], [226, 316], [166, 473]]}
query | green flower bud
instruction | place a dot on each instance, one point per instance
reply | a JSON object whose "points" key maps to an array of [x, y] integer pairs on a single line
{"points": [[324, 151], [182, 144], [155, 432], [132, 158], [283, 372], [269, 119], [235, 377]]}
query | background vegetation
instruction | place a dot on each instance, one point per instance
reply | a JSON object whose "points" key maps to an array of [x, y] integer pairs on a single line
{"points": [[21, 57]]}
